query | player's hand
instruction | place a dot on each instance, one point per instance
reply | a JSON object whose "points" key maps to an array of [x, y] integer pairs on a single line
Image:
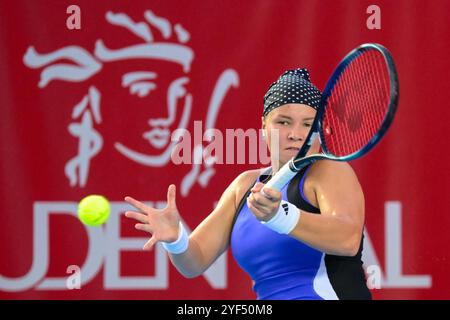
{"points": [[162, 224], [264, 207]]}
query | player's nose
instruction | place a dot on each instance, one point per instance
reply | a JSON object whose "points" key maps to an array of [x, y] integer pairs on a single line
{"points": [[295, 135]]}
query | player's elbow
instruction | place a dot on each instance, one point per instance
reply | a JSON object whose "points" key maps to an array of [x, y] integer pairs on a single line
{"points": [[351, 250], [188, 271], [190, 275], [352, 244]]}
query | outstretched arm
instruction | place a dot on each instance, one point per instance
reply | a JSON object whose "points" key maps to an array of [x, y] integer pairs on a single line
{"points": [[206, 243]]}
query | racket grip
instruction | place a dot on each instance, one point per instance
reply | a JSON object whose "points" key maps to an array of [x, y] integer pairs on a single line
{"points": [[282, 177]]}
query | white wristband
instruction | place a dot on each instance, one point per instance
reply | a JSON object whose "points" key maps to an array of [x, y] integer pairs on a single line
{"points": [[285, 219], [181, 244]]}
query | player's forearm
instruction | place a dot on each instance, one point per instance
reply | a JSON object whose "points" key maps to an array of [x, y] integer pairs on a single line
{"points": [[332, 235], [189, 263]]}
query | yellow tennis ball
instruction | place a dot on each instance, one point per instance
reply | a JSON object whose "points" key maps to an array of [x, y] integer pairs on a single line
{"points": [[93, 210]]}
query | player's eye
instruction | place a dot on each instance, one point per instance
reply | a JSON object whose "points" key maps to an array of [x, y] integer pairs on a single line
{"points": [[283, 122], [307, 125]]}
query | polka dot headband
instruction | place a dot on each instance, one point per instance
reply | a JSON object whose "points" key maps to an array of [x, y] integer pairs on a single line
{"points": [[293, 86]]}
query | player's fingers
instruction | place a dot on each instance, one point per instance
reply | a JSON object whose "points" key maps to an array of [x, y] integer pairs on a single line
{"points": [[150, 243], [263, 192], [251, 198], [171, 194], [272, 194], [137, 216], [143, 227], [261, 200], [264, 205], [258, 186], [256, 212], [137, 204]]}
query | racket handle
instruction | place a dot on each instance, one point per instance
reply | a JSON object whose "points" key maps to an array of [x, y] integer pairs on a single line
{"points": [[282, 177]]}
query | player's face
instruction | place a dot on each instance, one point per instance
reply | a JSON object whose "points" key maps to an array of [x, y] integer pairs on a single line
{"points": [[293, 122]]}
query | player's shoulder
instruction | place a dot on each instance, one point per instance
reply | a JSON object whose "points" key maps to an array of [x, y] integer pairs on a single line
{"points": [[330, 168], [245, 180], [250, 174]]}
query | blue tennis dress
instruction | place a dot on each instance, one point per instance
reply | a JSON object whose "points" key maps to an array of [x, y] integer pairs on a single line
{"points": [[283, 268]]}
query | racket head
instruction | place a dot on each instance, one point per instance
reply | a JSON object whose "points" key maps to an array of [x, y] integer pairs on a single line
{"points": [[359, 103]]}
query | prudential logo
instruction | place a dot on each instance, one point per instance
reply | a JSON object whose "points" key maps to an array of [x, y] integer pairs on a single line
{"points": [[104, 248]]}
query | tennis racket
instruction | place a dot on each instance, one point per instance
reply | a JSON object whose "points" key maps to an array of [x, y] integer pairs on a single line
{"points": [[356, 109]]}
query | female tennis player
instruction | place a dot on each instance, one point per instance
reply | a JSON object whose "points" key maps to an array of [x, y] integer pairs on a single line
{"points": [[303, 242]]}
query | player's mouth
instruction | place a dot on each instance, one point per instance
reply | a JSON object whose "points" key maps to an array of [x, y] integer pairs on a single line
{"points": [[291, 151]]}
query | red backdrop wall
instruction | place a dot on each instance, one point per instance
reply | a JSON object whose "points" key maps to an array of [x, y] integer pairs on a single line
{"points": [[79, 110]]}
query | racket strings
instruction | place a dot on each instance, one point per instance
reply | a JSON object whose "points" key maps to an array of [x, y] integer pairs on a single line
{"points": [[357, 105], [369, 126]]}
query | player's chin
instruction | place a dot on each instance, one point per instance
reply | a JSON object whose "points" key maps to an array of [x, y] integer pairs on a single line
{"points": [[292, 151], [288, 154]]}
